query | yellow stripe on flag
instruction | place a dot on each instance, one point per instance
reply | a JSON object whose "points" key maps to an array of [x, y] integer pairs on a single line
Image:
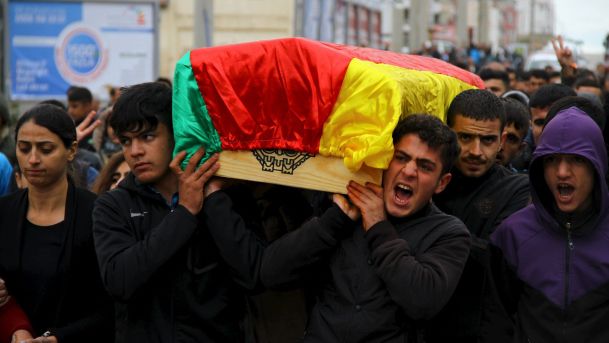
{"points": [[371, 100]]}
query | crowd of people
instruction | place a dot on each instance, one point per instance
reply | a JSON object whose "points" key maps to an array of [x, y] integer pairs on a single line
{"points": [[491, 227]]}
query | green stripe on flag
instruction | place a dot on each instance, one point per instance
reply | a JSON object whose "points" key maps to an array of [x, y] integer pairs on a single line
{"points": [[192, 126]]}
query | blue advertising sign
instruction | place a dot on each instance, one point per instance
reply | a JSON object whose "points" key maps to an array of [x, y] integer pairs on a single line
{"points": [[57, 44]]}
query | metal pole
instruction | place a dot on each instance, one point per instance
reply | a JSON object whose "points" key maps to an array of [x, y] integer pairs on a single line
{"points": [[532, 26], [462, 40]]}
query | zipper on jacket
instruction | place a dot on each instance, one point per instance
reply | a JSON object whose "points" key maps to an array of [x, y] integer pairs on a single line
{"points": [[569, 240], [570, 247]]}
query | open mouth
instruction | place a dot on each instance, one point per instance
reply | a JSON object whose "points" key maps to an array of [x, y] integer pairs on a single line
{"points": [[565, 190], [402, 193]]}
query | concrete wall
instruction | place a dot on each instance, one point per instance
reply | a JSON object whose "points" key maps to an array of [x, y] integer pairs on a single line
{"points": [[237, 21], [176, 34], [230, 21]]}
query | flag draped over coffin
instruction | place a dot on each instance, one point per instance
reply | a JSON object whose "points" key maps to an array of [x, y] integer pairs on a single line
{"points": [[309, 96]]}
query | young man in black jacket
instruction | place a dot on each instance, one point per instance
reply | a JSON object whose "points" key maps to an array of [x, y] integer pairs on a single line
{"points": [[175, 276], [377, 277], [482, 194]]}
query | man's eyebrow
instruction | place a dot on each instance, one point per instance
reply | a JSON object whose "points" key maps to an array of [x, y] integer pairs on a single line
{"points": [[136, 134], [425, 160], [145, 132], [461, 133]]}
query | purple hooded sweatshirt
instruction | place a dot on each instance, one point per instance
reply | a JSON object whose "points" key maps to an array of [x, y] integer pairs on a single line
{"points": [[552, 268]]}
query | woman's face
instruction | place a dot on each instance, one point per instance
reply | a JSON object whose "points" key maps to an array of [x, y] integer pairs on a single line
{"points": [[42, 157], [119, 174]]}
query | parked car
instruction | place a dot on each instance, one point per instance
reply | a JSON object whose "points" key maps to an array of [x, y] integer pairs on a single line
{"points": [[546, 57], [541, 59]]}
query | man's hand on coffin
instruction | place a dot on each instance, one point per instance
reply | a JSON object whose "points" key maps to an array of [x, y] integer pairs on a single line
{"points": [[217, 183], [346, 206], [192, 180], [369, 200]]}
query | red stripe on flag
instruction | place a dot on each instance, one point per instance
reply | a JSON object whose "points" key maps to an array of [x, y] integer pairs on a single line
{"points": [[415, 62], [270, 94]]}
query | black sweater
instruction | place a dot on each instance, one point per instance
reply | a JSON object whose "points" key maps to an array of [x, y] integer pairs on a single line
{"points": [[81, 310], [482, 204], [167, 272], [373, 286]]}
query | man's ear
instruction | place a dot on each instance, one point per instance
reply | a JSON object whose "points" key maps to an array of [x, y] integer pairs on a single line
{"points": [[502, 139], [443, 182]]}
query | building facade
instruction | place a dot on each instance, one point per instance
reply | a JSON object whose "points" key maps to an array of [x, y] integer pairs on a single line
{"points": [[536, 22], [397, 25], [189, 24]]}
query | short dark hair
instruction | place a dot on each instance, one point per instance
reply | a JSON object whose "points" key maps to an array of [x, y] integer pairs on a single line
{"points": [[594, 111], [584, 73], [516, 113], [164, 80], [540, 74], [546, 95], [523, 75], [586, 82], [434, 133], [52, 118], [54, 102], [142, 106], [80, 94], [476, 104], [489, 74]]}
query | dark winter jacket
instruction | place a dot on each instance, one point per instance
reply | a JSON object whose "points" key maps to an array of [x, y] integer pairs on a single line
{"points": [[374, 286], [174, 280], [275, 316], [482, 204], [552, 268], [83, 312]]}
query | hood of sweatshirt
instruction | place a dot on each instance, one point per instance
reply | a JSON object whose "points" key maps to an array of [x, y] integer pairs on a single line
{"points": [[571, 132]]}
